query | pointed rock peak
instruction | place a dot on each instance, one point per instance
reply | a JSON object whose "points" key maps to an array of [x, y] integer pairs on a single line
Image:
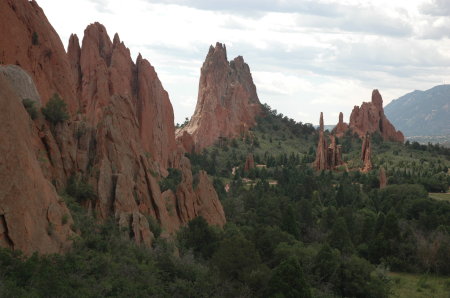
{"points": [[341, 118], [116, 40], [217, 52], [377, 100], [74, 41], [139, 58], [74, 46], [321, 121]]}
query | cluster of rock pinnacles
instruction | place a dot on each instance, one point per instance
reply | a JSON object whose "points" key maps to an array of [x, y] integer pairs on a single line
{"points": [[364, 121]]}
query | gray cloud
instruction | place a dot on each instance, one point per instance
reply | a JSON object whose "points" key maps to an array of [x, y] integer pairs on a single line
{"points": [[352, 18], [436, 8], [250, 7]]}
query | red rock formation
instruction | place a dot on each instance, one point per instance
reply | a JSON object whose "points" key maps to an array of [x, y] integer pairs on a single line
{"points": [[28, 40], [321, 162], [249, 163], [370, 118], [334, 153], [32, 216], [327, 157], [341, 128], [121, 140], [383, 178], [366, 154], [227, 103], [186, 141]]}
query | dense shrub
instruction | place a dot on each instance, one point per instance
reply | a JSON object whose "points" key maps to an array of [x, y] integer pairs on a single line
{"points": [[55, 110]]}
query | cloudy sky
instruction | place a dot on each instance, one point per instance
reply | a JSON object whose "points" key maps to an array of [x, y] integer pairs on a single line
{"points": [[306, 56]]}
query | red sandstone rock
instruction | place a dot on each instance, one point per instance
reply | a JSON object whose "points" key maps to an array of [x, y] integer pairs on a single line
{"points": [[249, 163], [366, 154], [341, 128], [201, 200], [186, 141], [45, 58], [327, 157], [370, 118], [31, 212], [227, 103], [383, 178]]}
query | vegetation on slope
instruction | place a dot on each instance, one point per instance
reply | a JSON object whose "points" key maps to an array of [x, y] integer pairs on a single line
{"points": [[290, 232]]}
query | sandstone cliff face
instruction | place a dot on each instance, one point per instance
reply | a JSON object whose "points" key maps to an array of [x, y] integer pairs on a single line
{"points": [[31, 212], [121, 140], [227, 103], [28, 40], [104, 69], [327, 157], [370, 118]]}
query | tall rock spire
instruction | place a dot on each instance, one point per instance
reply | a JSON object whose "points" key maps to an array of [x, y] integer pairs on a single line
{"points": [[227, 103], [321, 161]]}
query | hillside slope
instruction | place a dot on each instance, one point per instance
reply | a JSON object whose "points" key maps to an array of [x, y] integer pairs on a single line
{"points": [[422, 113]]}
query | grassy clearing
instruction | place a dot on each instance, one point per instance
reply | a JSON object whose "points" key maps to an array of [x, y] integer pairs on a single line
{"points": [[417, 286], [440, 196]]}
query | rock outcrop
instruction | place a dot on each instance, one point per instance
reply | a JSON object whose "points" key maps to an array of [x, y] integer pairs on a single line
{"points": [[366, 154], [29, 41], [32, 216], [227, 103], [383, 178], [370, 118], [327, 157], [120, 139]]}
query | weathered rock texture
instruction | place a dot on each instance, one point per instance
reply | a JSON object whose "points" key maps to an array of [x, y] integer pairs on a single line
{"points": [[28, 40], [227, 103], [327, 157], [370, 118], [31, 212], [21, 82], [121, 140], [366, 154], [341, 128], [383, 178]]}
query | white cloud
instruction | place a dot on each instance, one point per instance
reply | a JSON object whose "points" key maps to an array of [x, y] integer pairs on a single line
{"points": [[306, 56]]}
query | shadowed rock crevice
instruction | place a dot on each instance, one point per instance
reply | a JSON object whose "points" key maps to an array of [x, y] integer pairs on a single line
{"points": [[5, 240]]}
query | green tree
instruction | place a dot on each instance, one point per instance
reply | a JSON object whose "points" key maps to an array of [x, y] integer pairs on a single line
{"points": [[288, 280], [235, 258], [55, 110], [340, 237]]}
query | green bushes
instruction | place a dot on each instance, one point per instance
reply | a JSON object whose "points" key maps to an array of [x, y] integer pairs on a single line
{"points": [[79, 189], [55, 110], [171, 181]]}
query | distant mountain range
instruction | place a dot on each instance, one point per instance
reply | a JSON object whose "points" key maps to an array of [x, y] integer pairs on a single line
{"points": [[422, 113]]}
